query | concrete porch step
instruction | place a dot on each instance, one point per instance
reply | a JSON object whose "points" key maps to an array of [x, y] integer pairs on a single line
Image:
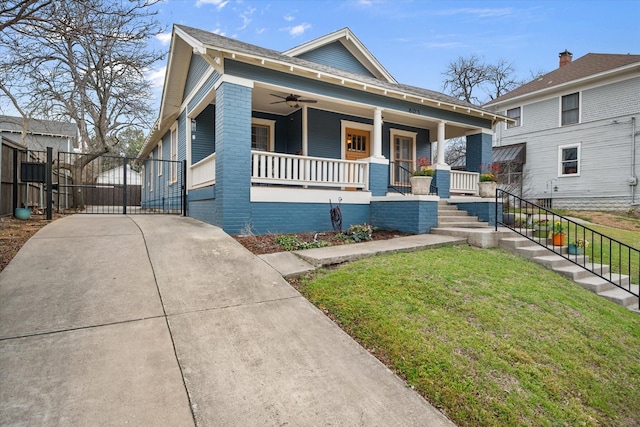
{"points": [[621, 297], [463, 223], [597, 284], [575, 272]]}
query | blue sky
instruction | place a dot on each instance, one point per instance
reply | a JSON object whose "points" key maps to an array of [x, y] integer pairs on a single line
{"points": [[416, 40]]}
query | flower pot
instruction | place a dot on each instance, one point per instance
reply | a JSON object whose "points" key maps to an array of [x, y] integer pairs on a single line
{"points": [[574, 249], [559, 239], [421, 185], [487, 188], [22, 213]]}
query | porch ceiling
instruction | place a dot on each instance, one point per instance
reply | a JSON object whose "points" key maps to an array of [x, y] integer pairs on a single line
{"points": [[263, 101]]}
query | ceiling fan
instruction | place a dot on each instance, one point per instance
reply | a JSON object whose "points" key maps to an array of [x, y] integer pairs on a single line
{"points": [[292, 100]]}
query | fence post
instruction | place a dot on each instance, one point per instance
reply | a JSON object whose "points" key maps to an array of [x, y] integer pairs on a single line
{"points": [[184, 187], [49, 178], [124, 191], [15, 181]]}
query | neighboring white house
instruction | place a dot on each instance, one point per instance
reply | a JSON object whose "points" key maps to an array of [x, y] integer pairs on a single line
{"points": [[579, 125], [116, 176]]}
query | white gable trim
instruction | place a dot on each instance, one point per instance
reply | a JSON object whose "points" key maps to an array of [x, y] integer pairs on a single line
{"points": [[353, 45]]}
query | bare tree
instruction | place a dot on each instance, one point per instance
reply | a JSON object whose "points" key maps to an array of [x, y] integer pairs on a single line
{"points": [[20, 12], [471, 80], [463, 76], [83, 61], [455, 149]]}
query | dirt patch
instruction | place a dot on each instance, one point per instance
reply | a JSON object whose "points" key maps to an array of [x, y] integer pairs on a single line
{"points": [[265, 243], [625, 220], [14, 233]]}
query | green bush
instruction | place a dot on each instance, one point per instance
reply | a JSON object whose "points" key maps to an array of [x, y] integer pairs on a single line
{"points": [[293, 243]]}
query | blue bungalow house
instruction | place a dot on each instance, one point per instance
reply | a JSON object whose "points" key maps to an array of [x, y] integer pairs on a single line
{"points": [[272, 140]]}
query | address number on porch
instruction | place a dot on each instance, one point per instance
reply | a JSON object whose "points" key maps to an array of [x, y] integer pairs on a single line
{"points": [[414, 111]]}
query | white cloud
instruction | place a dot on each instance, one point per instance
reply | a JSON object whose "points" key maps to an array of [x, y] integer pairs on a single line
{"points": [[219, 4], [299, 30], [246, 17], [219, 32], [156, 76], [165, 38], [260, 30], [479, 13], [289, 17]]}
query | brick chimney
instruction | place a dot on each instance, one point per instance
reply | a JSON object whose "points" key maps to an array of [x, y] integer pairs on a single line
{"points": [[565, 58]]}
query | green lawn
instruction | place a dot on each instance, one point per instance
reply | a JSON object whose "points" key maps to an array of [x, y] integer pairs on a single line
{"points": [[490, 338]]}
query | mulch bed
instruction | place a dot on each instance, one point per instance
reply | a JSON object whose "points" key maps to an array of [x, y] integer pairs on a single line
{"points": [[265, 243]]}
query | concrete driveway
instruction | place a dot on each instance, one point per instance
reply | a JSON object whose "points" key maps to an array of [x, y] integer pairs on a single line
{"points": [[168, 321]]}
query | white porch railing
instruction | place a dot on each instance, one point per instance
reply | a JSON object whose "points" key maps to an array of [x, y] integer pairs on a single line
{"points": [[288, 169], [464, 182], [203, 173]]}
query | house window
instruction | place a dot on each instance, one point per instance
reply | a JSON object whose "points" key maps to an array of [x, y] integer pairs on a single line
{"points": [[174, 154], [262, 134], [150, 171], [514, 113], [160, 158], [570, 109], [569, 160], [260, 138]]}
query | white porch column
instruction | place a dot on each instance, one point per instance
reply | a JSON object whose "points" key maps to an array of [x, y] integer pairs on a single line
{"points": [[440, 159], [305, 133], [377, 133]]}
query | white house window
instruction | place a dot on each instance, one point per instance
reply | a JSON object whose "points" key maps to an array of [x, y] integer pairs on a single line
{"points": [[403, 155], [514, 113], [174, 154], [570, 109], [262, 134], [569, 160]]}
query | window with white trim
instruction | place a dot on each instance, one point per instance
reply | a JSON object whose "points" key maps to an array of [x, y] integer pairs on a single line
{"points": [[569, 160], [403, 155], [570, 109], [174, 154], [262, 134], [514, 113]]}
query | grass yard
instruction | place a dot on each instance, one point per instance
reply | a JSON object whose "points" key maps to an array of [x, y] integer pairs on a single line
{"points": [[489, 338]]}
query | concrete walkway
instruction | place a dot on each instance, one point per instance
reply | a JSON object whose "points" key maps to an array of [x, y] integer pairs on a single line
{"points": [[167, 321]]}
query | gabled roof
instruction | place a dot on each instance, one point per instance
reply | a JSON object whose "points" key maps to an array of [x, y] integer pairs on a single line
{"points": [[591, 66], [39, 127], [204, 41], [353, 45]]}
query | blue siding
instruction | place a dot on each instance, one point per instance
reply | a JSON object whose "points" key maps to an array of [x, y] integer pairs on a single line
{"points": [[417, 217], [324, 132], [204, 142], [278, 217], [294, 137], [197, 67], [338, 56], [182, 137], [442, 180], [257, 73], [203, 90], [202, 205]]}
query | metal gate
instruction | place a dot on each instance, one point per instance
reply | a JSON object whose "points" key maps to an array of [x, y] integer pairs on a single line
{"points": [[117, 185]]}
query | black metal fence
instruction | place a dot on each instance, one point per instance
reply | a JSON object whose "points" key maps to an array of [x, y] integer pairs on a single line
{"points": [[112, 184], [578, 243]]}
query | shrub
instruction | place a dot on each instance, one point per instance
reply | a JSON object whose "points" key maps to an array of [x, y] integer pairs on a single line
{"points": [[293, 243]]}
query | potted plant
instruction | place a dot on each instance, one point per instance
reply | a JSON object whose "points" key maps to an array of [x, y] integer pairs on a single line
{"points": [[576, 247], [488, 180], [558, 234], [542, 227], [421, 177]]}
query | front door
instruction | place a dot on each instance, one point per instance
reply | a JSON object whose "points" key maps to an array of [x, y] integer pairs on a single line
{"points": [[357, 144]]}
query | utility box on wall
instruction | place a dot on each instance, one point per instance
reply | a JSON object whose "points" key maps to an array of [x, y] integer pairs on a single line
{"points": [[33, 172]]}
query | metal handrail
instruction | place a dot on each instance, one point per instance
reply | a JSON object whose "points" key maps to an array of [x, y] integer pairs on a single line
{"points": [[627, 275], [399, 180]]}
